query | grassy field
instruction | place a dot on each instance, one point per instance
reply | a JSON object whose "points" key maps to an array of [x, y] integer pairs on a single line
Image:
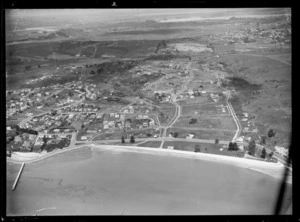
{"points": [[198, 99], [166, 114], [271, 105], [203, 134], [202, 109], [222, 122], [154, 144], [118, 135], [204, 147]]}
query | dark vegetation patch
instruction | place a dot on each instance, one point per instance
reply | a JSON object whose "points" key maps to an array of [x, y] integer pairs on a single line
{"points": [[239, 83], [147, 32], [166, 57]]}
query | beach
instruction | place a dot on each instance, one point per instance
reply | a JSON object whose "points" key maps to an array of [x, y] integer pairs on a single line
{"points": [[97, 181]]}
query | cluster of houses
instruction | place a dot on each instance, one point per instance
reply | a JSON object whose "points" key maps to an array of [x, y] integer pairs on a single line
{"points": [[278, 32], [130, 109], [32, 81], [26, 98], [23, 142], [81, 108], [250, 127], [20, 102], [221, 108]]}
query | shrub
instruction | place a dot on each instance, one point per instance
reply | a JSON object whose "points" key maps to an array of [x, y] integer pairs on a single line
{"points": [[193, 121]]}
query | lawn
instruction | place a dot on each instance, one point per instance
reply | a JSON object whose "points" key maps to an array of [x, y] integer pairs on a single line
{"points": [[154, 144], [205, 109], [204, 148], [222, 122], [203, 134], [197, 99], [140, 133]]}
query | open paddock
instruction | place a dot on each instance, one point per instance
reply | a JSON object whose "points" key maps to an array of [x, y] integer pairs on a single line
{"points": [[206, 122], [154, 144], [196, 100], [203, 109], [118, 135], [203, 133]]}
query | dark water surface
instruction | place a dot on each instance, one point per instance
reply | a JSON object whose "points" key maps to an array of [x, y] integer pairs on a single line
{"points": [[97, 182]]}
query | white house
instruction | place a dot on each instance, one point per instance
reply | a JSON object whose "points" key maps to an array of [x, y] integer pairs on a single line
{"points": [[83, 138], [190, 136], [281, 150], [240, 139]]}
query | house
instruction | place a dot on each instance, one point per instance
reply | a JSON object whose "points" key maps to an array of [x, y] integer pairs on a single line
{"points": [[246, 129], [170, 147], [83, 138], [190, 136], [240, 139], [244, 119], [126, 111], [281, 150], [145, 124], [246, 115]]}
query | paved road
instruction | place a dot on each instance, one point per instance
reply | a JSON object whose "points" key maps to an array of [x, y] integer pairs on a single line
{"points": [[236, 120]]}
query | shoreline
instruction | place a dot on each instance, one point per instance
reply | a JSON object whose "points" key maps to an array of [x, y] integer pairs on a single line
{"points": [[274, 170]]}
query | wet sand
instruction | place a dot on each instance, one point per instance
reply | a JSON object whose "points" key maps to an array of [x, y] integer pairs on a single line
{"points": [[101, 181]]}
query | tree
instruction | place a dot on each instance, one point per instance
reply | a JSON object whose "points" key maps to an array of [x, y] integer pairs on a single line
{"points": [[263, 153], [92, 72], [271, 133], [197, 148], [192, 121], [175, 134], [216, 141], [233, 146], [271, 154], [123, 140], [132, 139], [263, 140], [39, 66], [251, 147], [230, 146], [45, 139]]}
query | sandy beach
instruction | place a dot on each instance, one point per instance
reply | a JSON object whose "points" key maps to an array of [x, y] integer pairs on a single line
{"points": [[272, 169]]}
